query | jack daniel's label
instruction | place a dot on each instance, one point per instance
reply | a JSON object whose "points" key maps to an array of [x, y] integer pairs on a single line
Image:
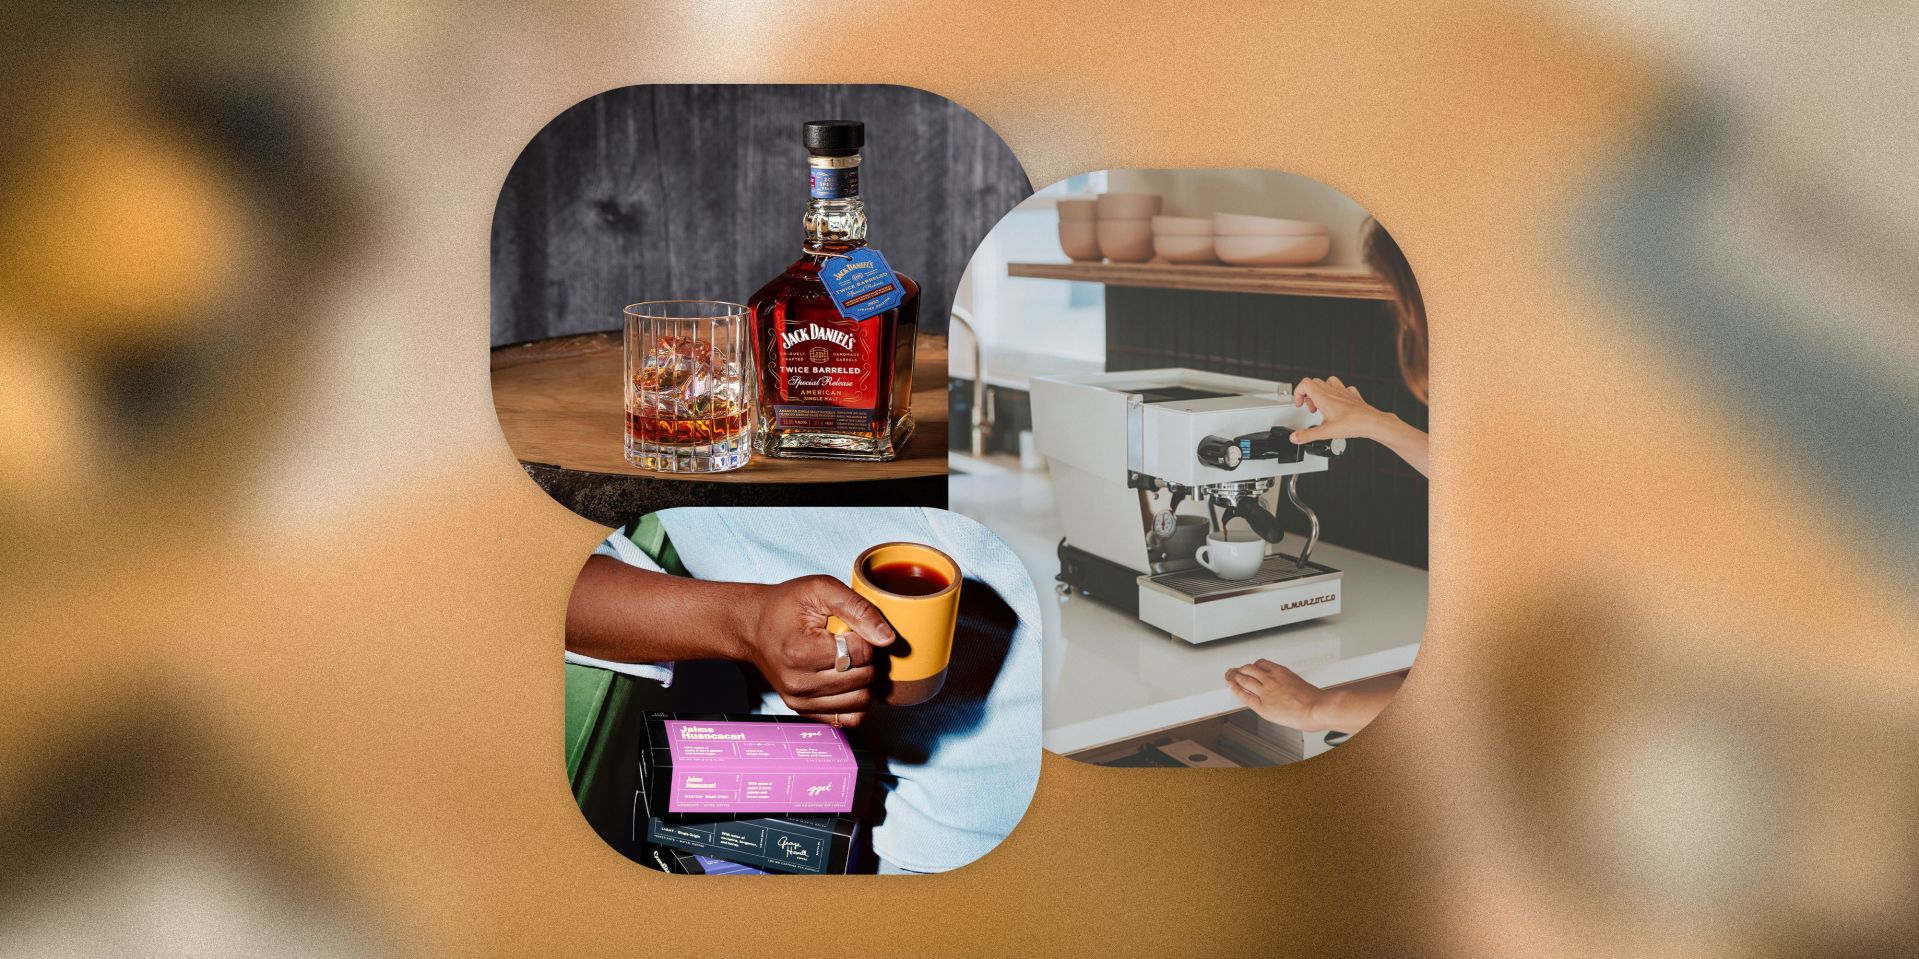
{"points": [[814, 331], [831, 376]]}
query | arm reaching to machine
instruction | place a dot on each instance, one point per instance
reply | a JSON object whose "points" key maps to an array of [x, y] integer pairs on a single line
{"points": [[627, 614], [1280, 696], [1348, 415]]}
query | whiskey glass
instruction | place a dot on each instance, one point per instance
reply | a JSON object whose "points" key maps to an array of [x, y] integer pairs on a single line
{"points": [[689, 386]]}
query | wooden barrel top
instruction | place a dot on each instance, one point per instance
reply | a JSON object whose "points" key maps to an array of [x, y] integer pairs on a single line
{"points": [[561, 404]]}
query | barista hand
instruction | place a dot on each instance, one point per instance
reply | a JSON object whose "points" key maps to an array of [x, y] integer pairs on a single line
{"points": [[1347, 415], [782, 632], [1276, 693]]}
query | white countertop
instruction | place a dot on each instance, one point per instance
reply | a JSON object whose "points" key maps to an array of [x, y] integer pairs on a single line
{"points": [[1111, 677]]}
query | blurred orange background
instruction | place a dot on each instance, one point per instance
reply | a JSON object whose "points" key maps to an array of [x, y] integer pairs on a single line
{"points": [[284, 615]]}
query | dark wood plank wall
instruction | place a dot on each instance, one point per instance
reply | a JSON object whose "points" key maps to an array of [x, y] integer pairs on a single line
{"points": [[680, 191]]}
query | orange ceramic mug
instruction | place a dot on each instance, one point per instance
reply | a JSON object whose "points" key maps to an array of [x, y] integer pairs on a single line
{"points": [[917, 589]]}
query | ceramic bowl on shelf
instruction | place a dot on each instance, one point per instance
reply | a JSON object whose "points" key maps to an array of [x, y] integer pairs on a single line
{"points": [[1239, 224], [1298, 250], [1182, 226], [1130, 206], [1185, 249], [1080, 240], [1086, 209], [1126, 241]]}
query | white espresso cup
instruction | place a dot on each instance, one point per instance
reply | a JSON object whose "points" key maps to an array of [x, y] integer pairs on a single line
{"points": [[1235, 554]]}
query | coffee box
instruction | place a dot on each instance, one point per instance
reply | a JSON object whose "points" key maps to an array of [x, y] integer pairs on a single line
{"points": [[714, 764], [812, 845], [678, 862]]}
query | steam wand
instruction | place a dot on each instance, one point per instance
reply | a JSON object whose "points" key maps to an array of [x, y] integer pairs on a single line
{"points": [[1312, 518]]}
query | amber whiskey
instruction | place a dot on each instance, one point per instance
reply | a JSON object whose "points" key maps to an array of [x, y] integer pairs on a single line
{"points": [[705, 420], [832, 387]]}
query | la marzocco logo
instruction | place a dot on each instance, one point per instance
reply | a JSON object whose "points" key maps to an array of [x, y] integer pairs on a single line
{"points": [[814, 331], [1315, 601]]}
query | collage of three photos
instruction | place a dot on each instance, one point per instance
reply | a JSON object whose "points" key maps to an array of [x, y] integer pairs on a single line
{"points": [[914, 471]]}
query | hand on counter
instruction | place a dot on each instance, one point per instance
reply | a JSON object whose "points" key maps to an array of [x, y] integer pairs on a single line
{"points": [[626, 614], [1349, 416], [1280, 696]]}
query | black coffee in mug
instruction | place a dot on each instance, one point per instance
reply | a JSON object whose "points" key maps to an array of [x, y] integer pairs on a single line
{"points": [[907, 579]]}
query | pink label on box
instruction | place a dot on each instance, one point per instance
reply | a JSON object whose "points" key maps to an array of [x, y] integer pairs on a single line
{"points": [[759, 767]]}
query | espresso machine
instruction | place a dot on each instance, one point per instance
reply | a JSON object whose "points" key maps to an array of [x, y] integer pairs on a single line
{"points": [[1146, 464]]}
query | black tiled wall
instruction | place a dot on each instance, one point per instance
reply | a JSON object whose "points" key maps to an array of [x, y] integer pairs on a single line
{"points": [[1369, 500]]}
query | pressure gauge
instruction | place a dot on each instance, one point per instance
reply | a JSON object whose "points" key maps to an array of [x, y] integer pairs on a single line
{"points": [[1165, 524]]}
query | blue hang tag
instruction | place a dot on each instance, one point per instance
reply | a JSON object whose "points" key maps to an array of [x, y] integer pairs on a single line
{"points": [[861, 284]]}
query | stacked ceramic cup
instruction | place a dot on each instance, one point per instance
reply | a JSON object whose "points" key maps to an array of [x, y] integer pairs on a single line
{"points": [[1184, 239], [1125, 227], [1078, 233], [1243, 240]]}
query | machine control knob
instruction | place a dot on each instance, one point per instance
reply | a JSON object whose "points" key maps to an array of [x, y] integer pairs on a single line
{"points": [[1220, 453], [1274, 444], [1327, 448]]}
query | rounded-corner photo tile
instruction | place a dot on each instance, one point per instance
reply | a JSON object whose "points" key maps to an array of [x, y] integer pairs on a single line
{"points": [[803, 690], [737, 294], [1194, 403]]}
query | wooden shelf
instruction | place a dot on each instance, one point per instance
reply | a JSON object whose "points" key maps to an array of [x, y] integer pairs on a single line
{"points": [[1347, 282], [559, 402]]}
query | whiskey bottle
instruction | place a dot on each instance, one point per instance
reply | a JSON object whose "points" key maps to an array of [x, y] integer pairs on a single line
{"points": [[832, 387]]}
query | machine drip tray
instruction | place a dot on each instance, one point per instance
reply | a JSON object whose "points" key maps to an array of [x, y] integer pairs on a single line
{"points": [[1100, 578], [1200, 585]]}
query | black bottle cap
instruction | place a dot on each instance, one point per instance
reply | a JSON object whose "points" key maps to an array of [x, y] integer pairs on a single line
{"points": [[835, 138]]}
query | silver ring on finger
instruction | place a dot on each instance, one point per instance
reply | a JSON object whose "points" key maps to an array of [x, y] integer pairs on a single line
{"points": [[842, 660]]}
